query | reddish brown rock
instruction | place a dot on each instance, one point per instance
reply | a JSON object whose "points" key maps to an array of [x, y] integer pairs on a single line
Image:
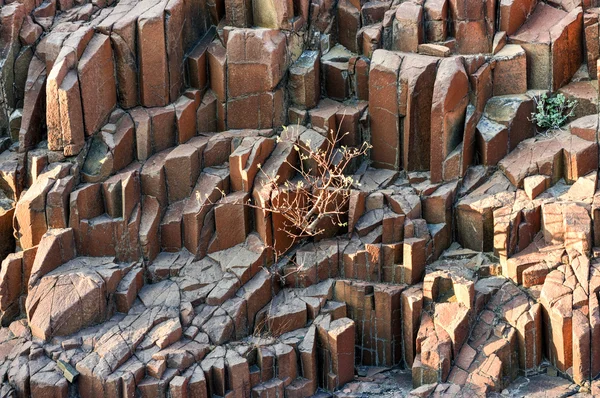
{"points": [[207, 191], [513, 14], [348, 24], [239, 13], [586, 96], [33, 103], [385, 123], [57, 203], [97, 83], [371, 39], [416, 86], [585, 127], [578, 156], [266, 61], [304, 84], [71, 114], [186, 117], [163, 121], [336, 79], [408, 30], [510, 71], [450, 99], [197, 63], [453, 318], [436, 17], [149, 231], [592, 42], [432, 362], [232, 210], [151, 46], [241, 112], [245, 162], [492, 141], [535, 185], [474, 25], [545, 37], [182, 167], [217, 60], [175, 19]]}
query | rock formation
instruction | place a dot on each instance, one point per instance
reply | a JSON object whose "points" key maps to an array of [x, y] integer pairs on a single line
{"points": [[138, 254]]}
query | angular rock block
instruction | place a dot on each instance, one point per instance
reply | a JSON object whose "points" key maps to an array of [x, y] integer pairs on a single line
{"points": [[592, 42], [245, 162], [560, 319], [375, 346], [112, 223], [549, 66], [231, 210], [369, 39], [304, 81], [348, 24], [513, 112], [33, 103], [238, 13], [450, 99], [111, 150], [577, 157], [336, 74], [434, 354], [217, 61], [492, 141], [186, 119], [567, 224], [171, 227], [207, 114], [197, 63], [152, 53], [510, 71], [97, 83], [535, 185], [385, 123], [586, 96], [172, 173], [279, 164], [474, 213], [149, 228], [30, 213], [272, 14], [265, 63], [242, 112], [474, 25], [513, 14], [182, 168], [408, 31], [197, 215], [416, 86], [436, 20]]}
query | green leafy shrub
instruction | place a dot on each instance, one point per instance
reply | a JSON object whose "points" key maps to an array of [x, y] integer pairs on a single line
{"points": [[552, 112]]}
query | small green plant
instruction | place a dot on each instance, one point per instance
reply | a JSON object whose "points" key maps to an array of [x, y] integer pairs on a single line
{"points": [[552, 112]]}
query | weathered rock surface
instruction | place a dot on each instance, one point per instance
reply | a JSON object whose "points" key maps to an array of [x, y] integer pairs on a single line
{"points": [[142, 146]]}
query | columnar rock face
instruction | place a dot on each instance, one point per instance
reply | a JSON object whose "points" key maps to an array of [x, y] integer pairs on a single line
{"points": [[383, 109], [473, 25], [545, 36], [447, 115], [261, 53], [145, 143]]}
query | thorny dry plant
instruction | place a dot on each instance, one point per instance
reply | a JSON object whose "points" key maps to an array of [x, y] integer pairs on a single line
{"points": [[318, 194], [321, 190]]}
